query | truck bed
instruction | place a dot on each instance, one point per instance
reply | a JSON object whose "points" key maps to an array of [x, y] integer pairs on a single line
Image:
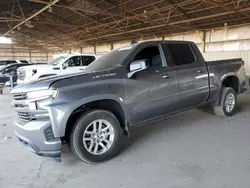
{"points": [[238, 60]]}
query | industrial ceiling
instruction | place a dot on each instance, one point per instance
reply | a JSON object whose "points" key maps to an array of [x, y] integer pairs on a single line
{"points": [[65, 24]]}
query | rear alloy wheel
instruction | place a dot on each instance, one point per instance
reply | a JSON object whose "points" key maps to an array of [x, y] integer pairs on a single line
{"points": [[96, 136], [228, 102]]}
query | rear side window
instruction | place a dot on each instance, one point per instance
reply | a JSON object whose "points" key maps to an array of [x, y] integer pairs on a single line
{"points": [[182, 54], [86, 60]]}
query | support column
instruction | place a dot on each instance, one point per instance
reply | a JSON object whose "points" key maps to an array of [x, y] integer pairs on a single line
{"points": [[202, 36], [12, 50], [30, 55], [47, 57]]}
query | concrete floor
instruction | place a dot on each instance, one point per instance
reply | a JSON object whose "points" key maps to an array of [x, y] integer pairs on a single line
{"points": [[193, 150]]}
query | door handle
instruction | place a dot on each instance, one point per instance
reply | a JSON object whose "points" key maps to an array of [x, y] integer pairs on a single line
{"points": [[80, 69], [167, 76], [200, 71]]}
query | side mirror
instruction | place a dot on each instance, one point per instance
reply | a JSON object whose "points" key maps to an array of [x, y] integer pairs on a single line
{"points": [[137, 66], [64, 66]]}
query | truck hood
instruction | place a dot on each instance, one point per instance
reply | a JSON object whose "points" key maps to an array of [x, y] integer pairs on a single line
{"points": [[45, 83]]}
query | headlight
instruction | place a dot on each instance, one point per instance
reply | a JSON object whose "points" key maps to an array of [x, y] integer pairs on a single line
{"points": [[48, 93]]}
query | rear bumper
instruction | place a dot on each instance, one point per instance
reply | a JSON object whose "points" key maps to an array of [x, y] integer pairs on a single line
{"points": [[32, 136]]}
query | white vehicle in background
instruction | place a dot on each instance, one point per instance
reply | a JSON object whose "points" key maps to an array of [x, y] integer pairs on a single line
{"points": [[4, 63], [64, 64]]}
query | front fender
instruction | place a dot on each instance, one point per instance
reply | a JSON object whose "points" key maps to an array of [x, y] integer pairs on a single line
{"points": [[60, 114]]}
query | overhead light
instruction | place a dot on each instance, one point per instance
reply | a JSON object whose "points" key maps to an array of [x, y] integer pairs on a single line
{"points": [[28, 24], [145, 14], [5, 40], [50, 10], [225, 26]]}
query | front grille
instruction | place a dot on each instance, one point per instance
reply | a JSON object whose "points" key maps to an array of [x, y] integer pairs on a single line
{"points": [[21, 74], [20, 96], [49, 135], [25, 116]]}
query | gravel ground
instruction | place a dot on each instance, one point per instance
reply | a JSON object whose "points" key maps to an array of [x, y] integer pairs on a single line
{"points": [[195, 149]]}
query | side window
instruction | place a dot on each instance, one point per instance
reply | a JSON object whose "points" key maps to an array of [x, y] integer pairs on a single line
{"points": [[10, 70], [86, 60], [182, 54], [73, 62], [152, 55]]}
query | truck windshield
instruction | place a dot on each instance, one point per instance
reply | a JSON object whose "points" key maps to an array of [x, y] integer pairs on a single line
{"points": [[109, 60], [57, 60]]}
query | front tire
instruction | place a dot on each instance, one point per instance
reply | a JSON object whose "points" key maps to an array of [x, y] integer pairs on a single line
{"points": [[228, 102], [95, 136]]}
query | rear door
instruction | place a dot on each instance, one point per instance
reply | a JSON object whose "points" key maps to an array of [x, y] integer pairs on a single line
{"points": [[191, 74]]}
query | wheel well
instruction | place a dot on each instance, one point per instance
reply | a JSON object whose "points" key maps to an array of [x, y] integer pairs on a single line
{"points": [[233, 82], [110, 105]]}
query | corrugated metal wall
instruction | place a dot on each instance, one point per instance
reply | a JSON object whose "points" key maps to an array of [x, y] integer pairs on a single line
{"points": [[22, 53], [223, 43]]}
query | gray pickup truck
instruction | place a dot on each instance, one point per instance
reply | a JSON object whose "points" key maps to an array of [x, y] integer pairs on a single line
{"points": [[124, 88]]}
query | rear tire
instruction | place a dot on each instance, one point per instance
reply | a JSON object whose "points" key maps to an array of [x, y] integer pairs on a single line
{"points": [[228, 102], [95, 136]]}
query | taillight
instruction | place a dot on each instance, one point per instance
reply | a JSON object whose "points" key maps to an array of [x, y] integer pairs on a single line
{"points": [[243, 62]]}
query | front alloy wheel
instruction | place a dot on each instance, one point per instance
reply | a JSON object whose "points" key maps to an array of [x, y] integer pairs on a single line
{"points": [[96, 136]]}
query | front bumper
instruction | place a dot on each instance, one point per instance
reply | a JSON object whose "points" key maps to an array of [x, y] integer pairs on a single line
{"points": [[33, 136]]}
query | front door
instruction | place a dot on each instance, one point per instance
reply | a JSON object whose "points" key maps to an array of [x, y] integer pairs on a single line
{"points": [[151, 92]]}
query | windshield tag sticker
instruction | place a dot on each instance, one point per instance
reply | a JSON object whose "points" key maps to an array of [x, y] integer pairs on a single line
{"points": [[104, 75]]}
